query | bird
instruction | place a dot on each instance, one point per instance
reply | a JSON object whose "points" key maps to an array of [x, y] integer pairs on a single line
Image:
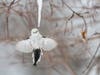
{"points": [[35, 44]]}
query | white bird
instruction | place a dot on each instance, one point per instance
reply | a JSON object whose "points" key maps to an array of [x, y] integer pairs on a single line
{"points": [[36, 43]]}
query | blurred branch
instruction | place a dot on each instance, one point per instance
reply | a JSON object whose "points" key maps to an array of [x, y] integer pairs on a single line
{"points": [[93, 58], [78, 14], [52, 6], [96, 33]]}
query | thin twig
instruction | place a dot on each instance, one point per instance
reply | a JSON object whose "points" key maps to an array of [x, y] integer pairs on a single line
{"points": [[78, 14], [92, 58]]}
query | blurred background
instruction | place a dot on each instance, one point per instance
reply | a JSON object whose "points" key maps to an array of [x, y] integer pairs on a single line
{"points": [[74, 24]]}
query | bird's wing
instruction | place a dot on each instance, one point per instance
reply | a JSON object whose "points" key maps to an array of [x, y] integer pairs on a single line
{"points": [[24, 46], [48, 44]]}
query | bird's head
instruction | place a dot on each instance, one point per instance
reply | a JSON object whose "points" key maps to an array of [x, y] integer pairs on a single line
{"points": [[34, 31]]}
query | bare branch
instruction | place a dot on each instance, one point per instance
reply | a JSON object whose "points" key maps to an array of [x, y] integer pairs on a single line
{"points": [[93, 58]]}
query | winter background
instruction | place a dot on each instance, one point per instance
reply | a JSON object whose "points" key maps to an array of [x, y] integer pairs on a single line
{"points": [[62, 20]]}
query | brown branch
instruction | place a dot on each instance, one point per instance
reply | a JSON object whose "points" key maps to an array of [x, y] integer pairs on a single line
{"points": [[71, 16], [51, 7], [78, 14], [11, 3], [7, 26]]}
